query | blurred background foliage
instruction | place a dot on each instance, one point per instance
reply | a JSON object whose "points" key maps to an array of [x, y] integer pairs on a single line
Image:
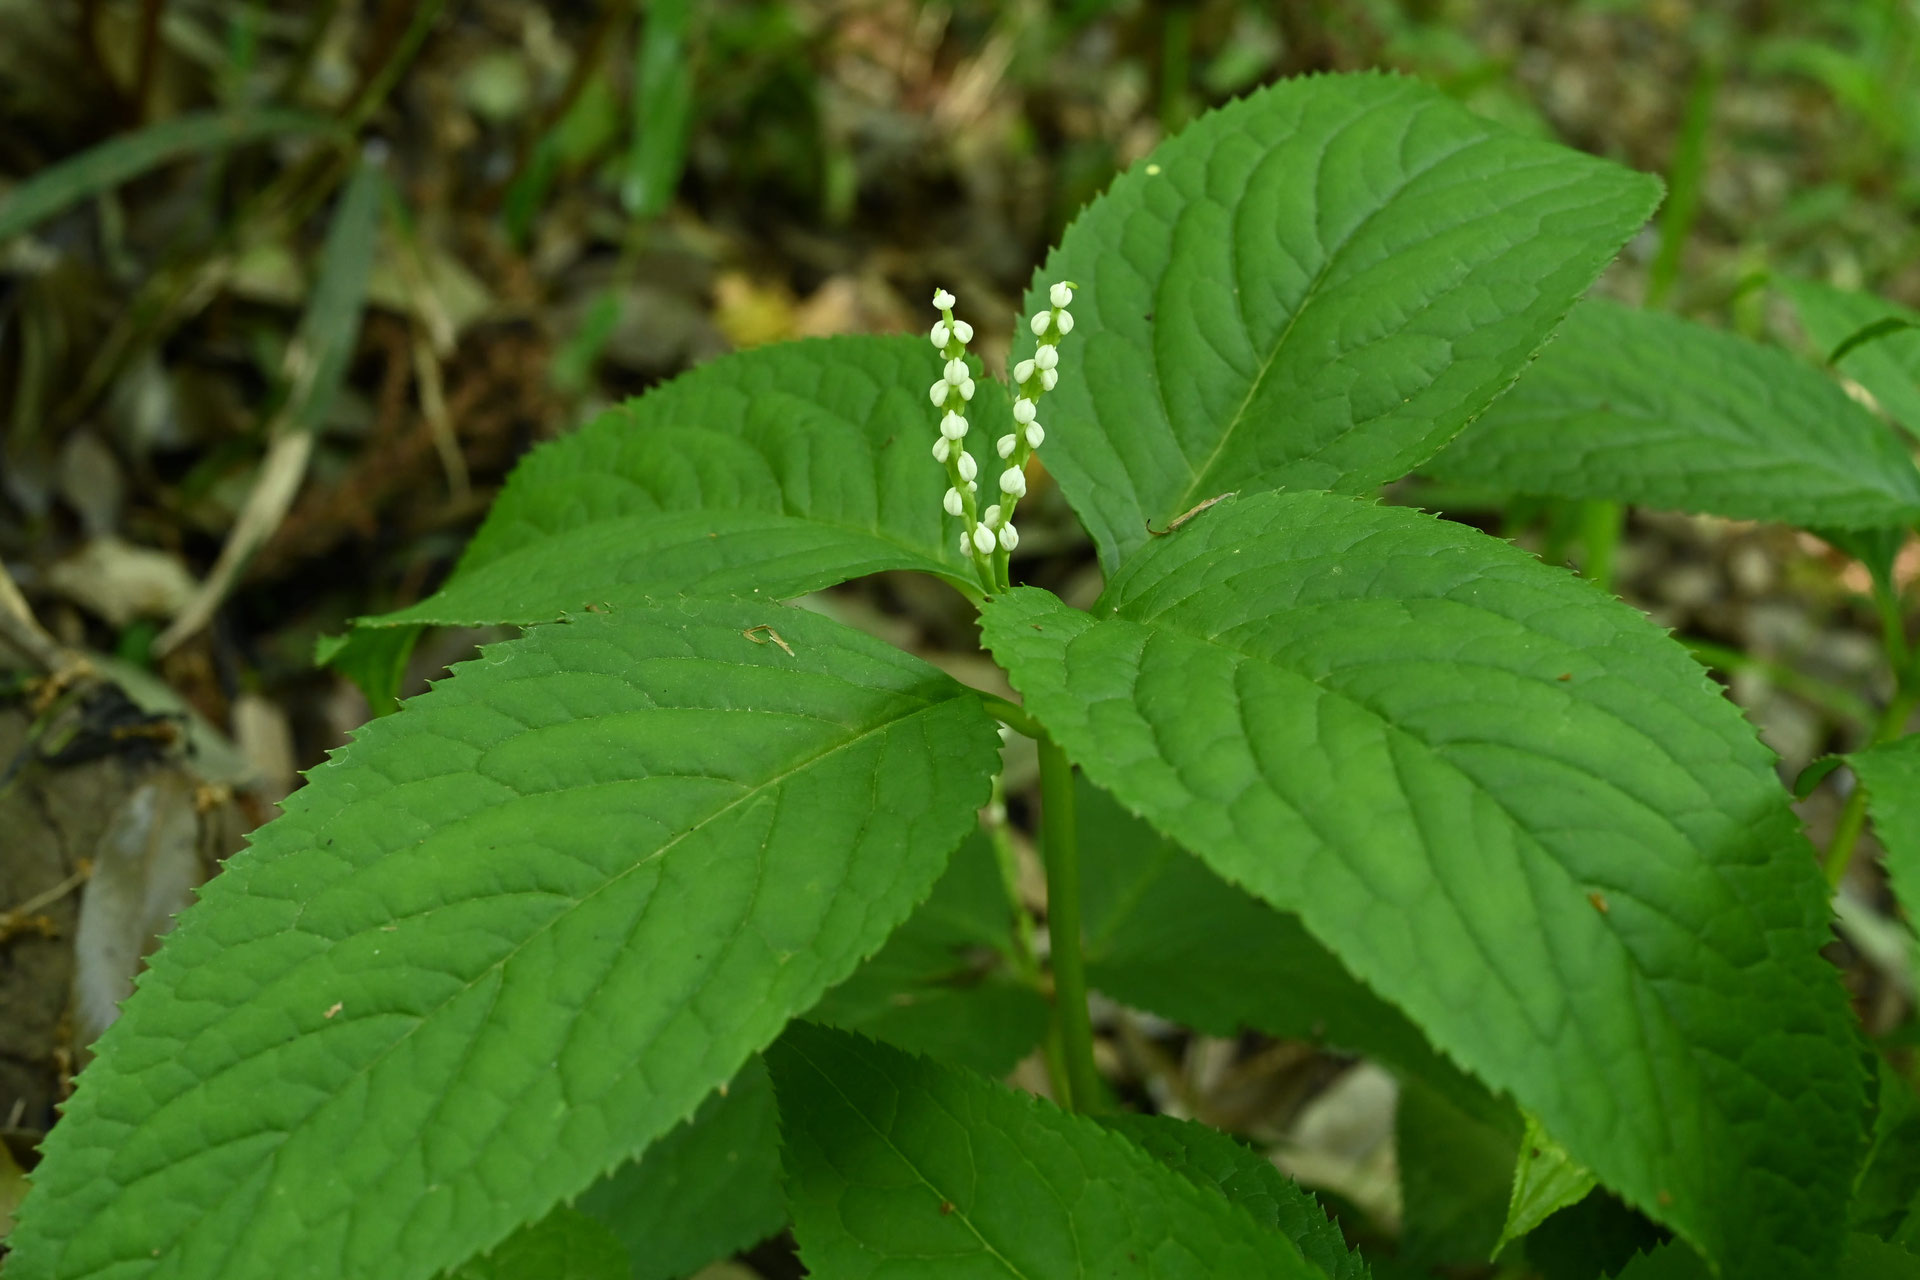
{"points": [[286, 289]]}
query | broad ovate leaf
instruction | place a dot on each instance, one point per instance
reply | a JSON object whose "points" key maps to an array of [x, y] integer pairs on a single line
{"points": [[1166, 934], [1643, 407], [1315, 287], [901, 1167], [832, 432], [564, 1245], [1512, 807], [1891, 774], [503, 941], [1878, 342], [705, 1190], [768, 474], [946, 984], [1209, 1158]]}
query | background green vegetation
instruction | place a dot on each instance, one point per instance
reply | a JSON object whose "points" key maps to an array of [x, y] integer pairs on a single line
{"points": [[285, 290]]}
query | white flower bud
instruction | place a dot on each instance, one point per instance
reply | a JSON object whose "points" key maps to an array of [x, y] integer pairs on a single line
{"points": [[966, 389], [1023, 411], [1009, 538], [1047, 356], [938, 392], [1005, 445], [941, 449], [1048, 377], [1041, 319], [1035, 436], [956, 371], [983, 539], [963, 331], [953, 426], [973, 486], [1023, 371], [942, 299], [991, 516], [966, 543], [1060, 295], [1066, 323], [952, 502], [1013, 482], [966, 464], [940, 333]]}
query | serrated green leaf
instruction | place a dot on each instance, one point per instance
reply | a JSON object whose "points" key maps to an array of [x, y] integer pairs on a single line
{"points": [[1670, 1261], [1890, 1180], [832, 430], [1164, 933], [1888, 366], [1590, 1240], [1510, 805], [1891, 774], [897, 1166], [1545, 1180], [1867, 1258], [708, 1189], [564, 1245], [773, 472], [1456, 1162], [1314, 287], [635, 558], [1652, 409], [942, 985], [129, 155], [503, 941], [1208, 1158]]}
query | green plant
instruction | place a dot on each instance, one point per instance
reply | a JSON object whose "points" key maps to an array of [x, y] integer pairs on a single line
{"points": [[1343, 770]]}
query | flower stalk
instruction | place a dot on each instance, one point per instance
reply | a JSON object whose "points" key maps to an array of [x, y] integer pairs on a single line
{"points": [[988, 535]]}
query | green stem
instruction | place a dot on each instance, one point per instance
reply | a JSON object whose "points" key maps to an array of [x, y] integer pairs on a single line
{"points": [[1853, 815], [1013, 717], [1061, 849], [1600, 526], [1024, 953]]}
